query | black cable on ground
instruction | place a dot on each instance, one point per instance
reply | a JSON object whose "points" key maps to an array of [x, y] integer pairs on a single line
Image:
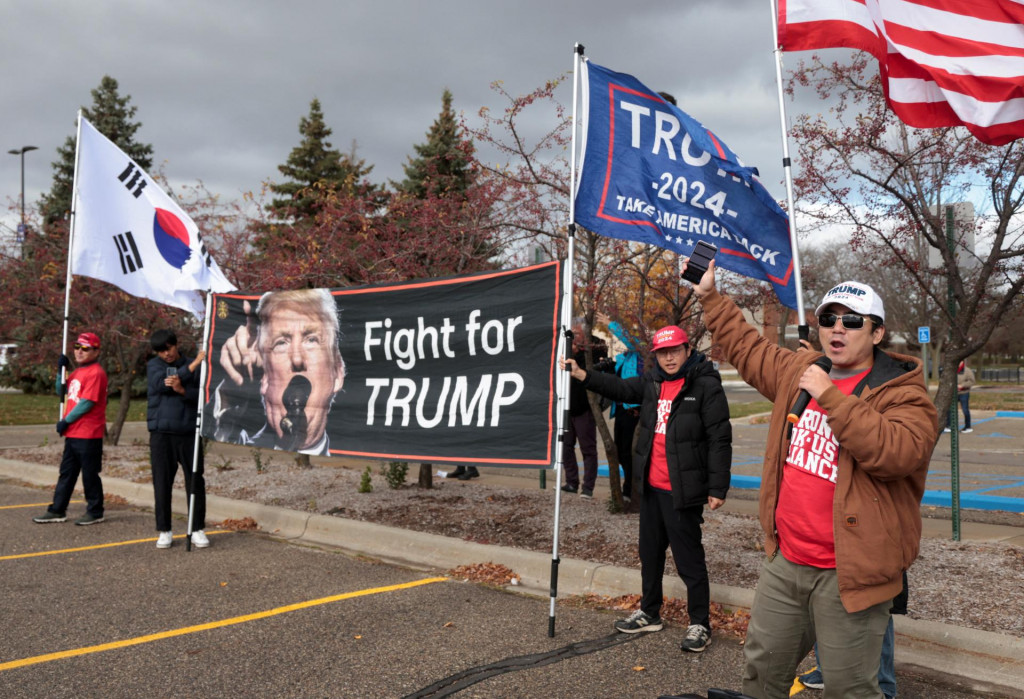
{"points": [[466, 678]]}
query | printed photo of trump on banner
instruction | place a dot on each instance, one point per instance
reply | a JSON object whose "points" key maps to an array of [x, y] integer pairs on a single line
{"points": [[455, 370]]}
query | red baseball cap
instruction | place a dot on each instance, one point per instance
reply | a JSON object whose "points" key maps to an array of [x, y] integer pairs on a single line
{"points": [[89, 340], [670, 336]]}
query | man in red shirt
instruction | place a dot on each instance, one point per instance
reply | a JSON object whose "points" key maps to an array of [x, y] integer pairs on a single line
{"points": [[840, 491], [83, 426]]}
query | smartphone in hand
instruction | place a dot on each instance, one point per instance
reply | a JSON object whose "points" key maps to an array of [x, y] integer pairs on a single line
{"points": [[699, 260]]}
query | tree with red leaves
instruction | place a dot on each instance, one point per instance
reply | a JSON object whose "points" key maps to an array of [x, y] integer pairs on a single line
{"points": [[32, 318], [635, 284]]}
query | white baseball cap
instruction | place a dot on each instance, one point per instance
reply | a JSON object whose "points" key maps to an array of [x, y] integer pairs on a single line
{"points": [[856, 296]]}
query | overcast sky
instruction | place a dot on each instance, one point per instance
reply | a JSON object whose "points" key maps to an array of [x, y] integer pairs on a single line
{"points": [[220, 85]]}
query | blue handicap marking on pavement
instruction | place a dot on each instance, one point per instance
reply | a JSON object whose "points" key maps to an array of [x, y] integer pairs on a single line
{"points": [[973, 501]]}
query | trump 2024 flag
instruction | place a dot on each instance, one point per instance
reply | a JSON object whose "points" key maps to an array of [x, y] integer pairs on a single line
{"points": [[130, 233], [653, 174]]}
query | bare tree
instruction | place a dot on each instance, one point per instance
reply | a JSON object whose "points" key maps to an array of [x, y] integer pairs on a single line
{"points": [[861, 168]]}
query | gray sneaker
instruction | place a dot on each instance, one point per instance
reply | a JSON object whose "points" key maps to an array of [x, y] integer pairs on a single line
{"points": [[638, 622], [697, 639], [88, 519], [48, 517]]}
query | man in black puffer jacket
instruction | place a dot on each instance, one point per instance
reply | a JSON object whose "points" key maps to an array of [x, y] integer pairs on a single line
{"points": [[684, 442], [173, 391]]}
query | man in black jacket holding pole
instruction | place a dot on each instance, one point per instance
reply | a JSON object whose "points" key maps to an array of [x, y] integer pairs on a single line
{"points": [[684, 444], [173, 392]]}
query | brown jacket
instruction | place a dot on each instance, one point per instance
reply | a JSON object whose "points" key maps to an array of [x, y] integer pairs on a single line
{"points": [[886, 436]]}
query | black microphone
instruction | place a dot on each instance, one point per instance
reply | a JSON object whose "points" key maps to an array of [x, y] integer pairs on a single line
{"points": [[294, 424], [802, 400]]}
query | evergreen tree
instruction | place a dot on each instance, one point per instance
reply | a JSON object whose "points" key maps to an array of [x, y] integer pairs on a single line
{"points": [[314, 162], [112, 116], [442, 166]]}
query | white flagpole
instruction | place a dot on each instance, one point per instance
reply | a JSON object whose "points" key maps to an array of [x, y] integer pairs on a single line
{"points": [[564, 345], [787, 165], [199, 422], [71, 243]]}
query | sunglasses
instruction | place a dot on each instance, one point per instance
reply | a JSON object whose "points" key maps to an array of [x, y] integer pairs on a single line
{"points": [[84, 348], [851, 321]]}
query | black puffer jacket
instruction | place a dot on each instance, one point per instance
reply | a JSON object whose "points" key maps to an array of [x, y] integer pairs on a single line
{"points": [[167, 410], [698, 438]]}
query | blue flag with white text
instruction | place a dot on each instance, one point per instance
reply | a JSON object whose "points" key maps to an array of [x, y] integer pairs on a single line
{"points": [[653, 174]]}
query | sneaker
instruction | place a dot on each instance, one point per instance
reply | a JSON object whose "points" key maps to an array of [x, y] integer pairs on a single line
{"points": [[587, 494], [639, 622], [88, 519], [199, 539], [48, 517], [812, 679], [470, 472], [697, 638], [946, 429], [569, 489], [967, 429], [457, 472], [164, 540]]}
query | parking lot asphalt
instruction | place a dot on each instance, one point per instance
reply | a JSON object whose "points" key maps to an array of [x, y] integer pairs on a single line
{"points": [[321, 609], [99, 611]]}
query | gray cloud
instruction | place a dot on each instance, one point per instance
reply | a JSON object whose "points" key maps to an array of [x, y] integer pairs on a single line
{"points": [[220, 86]]}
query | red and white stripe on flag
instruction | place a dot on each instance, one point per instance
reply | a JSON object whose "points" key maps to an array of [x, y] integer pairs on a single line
{"points": [[943, 62]]}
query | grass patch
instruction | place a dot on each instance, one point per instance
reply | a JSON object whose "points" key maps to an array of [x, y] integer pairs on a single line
{"points": [[22, 409], [990, 400], [981, 399], [753, 408]]}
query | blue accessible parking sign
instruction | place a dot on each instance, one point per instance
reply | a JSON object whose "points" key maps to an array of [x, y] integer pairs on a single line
{"points": [[924, 334]]}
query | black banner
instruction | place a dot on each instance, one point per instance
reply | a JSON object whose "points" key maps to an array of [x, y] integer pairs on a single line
{"points": [[453, 370]]}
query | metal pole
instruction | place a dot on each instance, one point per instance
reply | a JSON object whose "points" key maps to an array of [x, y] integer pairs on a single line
{"points": [[21, 152], [197, 445], [803, 329], [23, 189], [565, 349], [71, 248], [954, 415]]}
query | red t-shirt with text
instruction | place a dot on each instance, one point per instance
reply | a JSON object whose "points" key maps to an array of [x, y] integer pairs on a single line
{"points": [[88, 382], [657, 476], [803, 517]]}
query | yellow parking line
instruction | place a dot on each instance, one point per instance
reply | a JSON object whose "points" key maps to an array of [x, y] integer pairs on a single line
{"points": [[98, 546], [37, 504], [210, 625]]}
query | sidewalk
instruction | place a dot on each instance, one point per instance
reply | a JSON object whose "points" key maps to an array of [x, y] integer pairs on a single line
{"points": [[979, 657]]}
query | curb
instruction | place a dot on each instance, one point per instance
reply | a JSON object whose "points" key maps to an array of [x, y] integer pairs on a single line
{"points": [[984, 658]]}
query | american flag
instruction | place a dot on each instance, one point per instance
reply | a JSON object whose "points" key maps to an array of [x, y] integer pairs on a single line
{"points": [[942, 62]]}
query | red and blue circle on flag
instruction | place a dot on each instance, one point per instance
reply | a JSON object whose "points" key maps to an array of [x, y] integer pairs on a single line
{"points": [[171, 238]]}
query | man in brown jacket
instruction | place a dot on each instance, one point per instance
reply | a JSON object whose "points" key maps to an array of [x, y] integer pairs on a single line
{"points": [[840, 492]]}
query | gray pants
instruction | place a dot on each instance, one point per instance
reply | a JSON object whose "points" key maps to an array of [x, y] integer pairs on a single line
{"points": [[793, 606]]}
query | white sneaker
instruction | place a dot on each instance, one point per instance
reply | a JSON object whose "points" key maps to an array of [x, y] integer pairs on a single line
{"points": [[199, 539], [946, 429], [967, 429], [164, 540]]}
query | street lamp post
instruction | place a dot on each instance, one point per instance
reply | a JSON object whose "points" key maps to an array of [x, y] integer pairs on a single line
{"points": [[23, 230]]}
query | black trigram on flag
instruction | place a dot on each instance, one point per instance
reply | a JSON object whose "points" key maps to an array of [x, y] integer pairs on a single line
{"points": [[132, 178], [131, 260]]}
